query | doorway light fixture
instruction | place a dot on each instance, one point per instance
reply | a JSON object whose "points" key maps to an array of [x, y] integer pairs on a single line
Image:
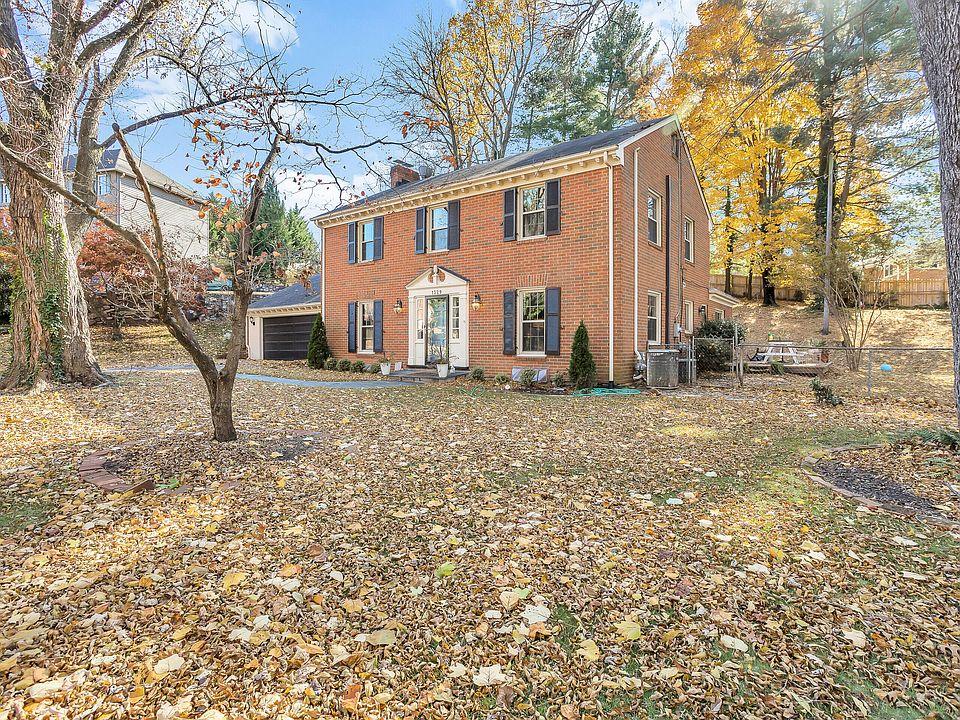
{"points": [[476, 301], [398, 306]]}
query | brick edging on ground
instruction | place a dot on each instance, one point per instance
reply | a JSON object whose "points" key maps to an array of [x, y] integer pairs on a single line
{"points": [[809, 467], [92, 470]]}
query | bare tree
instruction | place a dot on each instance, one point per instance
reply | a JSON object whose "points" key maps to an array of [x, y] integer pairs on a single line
{"points": [[855, 308], [938, 29]]}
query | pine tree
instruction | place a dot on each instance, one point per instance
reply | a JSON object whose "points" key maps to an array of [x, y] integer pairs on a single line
{"points": [[583, 368], [318, 350]]}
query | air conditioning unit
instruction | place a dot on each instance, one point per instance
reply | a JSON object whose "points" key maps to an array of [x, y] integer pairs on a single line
{"points": [[663, 369]]}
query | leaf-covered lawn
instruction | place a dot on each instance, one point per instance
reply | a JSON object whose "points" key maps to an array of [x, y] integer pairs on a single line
{"points": [[434, 554]]}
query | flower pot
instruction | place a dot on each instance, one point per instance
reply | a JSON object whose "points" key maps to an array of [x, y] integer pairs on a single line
{"points": [[443, 370], [384, 368]]}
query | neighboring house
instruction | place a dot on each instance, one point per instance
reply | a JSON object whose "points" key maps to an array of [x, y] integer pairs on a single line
{"points": [[185, 232], [496, 264]]}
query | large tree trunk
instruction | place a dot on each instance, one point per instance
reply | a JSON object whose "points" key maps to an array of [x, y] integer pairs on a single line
{"points": [[938, 29], [769, 289]]}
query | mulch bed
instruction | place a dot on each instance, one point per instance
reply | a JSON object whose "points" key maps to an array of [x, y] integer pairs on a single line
{"points": [[916, 476]]}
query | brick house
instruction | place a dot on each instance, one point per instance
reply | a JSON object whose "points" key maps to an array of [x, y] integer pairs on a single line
{"points": [[496, 264]]}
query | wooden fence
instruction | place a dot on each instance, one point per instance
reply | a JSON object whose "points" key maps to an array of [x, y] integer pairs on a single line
{"points": [[894, 292]]}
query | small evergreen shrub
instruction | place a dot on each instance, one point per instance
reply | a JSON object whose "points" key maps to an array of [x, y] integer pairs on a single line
{"points": [[824, 393], [527, 376], [583, 368], [374, 369], [559, 379], [358, 366], [343, 365], [331, 363], [713, 355], [476, 374], [777, 368], [948, 437], [318, 349], [501, 379], [725, 329]]}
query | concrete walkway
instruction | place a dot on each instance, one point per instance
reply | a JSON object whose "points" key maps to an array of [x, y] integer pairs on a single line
{"points": [[342, 384]]}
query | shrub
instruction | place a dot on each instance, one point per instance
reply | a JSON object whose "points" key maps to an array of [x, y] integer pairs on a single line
{"points": [[777, 368], [713, 355], [476, 374], [824, 393], [374, 369], [358, 366], [318, 349], [527, 376], [948, 437], [343, 365], [721, 329], [331, 363], [559, 379], [501, 379], [583, 368]]}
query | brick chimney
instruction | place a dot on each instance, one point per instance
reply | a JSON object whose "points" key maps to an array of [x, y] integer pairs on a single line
{"points": [[402, 173]]}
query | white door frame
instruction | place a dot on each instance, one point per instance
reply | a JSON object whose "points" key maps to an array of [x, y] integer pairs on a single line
{"points": [[432, 282]]}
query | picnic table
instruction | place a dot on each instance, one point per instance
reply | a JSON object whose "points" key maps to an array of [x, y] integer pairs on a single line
{"points": [[802, 361]]}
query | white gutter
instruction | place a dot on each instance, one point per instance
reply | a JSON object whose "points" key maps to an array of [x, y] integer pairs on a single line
{"points": [[610, 264]]}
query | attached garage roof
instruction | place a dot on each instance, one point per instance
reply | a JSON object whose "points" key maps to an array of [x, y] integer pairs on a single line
{"points": [[291, 295]]}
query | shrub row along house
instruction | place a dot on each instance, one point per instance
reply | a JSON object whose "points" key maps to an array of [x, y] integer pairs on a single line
{"points": [[496, 264]]}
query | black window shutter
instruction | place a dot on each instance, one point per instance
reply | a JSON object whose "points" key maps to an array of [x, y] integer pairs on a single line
{"points": [[453, 224], [378, 238], [378, 326], [553, 207], [352, 243], [509, 214], [351, 327], [509, 322], [420, 238], [552, 344]]}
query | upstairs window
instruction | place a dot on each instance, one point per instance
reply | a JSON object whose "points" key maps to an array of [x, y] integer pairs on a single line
{"points": [[533, 317], [439, 222], [533, 211], [688, 239], [654, 205], [104, 185], [366, 241]]}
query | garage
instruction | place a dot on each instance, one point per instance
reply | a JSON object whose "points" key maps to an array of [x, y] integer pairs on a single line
{"points": [[285, 337]]}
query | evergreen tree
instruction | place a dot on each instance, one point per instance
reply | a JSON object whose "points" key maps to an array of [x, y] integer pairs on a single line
{"points": [[597, 82], [318, 349], [583, 368]]}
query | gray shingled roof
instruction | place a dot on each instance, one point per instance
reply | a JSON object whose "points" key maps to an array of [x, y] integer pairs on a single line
{"points": [[291, 295], [113, 160], [514, 162]]}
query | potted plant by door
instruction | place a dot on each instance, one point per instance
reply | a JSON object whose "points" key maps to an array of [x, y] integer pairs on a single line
{"points": [[384, 365], [443, 364]]}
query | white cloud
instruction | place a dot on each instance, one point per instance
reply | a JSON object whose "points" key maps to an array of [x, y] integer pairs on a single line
{"points": [[665, 14], [265, 24], [316, 193]]}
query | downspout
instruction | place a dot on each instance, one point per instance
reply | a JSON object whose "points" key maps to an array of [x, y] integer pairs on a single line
{"points": [[609, 265], [681, 246], [666, 255], [636, 252], [323, 274]]}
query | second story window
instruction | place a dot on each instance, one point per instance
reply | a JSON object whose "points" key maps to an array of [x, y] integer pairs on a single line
{"points": [[366, 240], [533, 211], [439, 221], [653, 217], [104, 186], [688, 239]]}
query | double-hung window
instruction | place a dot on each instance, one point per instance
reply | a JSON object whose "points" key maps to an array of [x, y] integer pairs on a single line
{"points": [[365, 231], [718, 315], [688, 239], [654, 205], [104, 186], [438, 228], [4, 194], [653, 318], [688, 316], [533, 211], [532, 320], [365, 327]]}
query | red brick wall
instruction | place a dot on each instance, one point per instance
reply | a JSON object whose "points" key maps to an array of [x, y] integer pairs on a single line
{"points": [[576, 261]]}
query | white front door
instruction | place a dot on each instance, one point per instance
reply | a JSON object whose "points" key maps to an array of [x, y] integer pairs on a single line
{"points": [[438, 321]]}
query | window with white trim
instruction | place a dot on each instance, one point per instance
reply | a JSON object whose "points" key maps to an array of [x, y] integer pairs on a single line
{"points": [[365, 233], [438, 228], [653, 318], [533, 211], [532, 320], [654, 223], [454, 317], [688, 229], [104, 185], [718, 315], [4, 194], [688, 316], [365, 327]]}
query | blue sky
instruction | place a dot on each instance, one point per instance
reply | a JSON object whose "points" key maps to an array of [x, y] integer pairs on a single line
{"points": [[333, 39]]}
